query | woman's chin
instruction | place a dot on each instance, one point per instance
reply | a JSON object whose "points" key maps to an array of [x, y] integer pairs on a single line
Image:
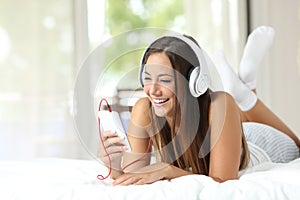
{"points": [[160, 112]]}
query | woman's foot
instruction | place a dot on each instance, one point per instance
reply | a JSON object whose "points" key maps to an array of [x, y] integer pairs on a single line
{"points": [[258, 43]]}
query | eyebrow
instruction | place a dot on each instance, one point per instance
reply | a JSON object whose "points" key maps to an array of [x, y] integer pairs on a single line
{"points": [[159, 74]]}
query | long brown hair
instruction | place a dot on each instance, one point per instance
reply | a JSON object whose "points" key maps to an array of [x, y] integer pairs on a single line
{"points": [[185, 145]]}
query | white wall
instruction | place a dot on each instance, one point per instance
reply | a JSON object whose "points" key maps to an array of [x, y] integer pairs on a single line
{"points": [[279, 76]]}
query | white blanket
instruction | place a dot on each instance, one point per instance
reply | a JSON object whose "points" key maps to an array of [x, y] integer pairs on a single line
{"points": [[76, 179]]}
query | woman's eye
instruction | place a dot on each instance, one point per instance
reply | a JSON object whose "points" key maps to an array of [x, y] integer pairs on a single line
{"points": [[165, 81], [147, 79]]}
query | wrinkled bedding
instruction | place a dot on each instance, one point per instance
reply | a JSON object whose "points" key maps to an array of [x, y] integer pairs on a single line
{"points": [[53, 178]]}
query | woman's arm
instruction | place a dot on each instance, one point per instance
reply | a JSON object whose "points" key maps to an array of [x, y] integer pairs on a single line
{"points": [[226, 138]]}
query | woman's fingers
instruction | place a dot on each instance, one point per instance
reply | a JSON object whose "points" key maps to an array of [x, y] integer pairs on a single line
{"points": [[126, 179], [111, 150], [116, 149], [113, 140], [135, 179], [107, 134]]}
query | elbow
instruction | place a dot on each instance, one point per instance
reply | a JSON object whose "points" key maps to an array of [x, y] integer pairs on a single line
{"points": [[219, 180], [222, 180]]}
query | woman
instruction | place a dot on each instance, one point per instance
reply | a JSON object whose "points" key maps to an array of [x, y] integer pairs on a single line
{"points": [[192, 133]]}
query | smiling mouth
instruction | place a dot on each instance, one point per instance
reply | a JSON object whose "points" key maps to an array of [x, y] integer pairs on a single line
{"points": [[160, 101]]}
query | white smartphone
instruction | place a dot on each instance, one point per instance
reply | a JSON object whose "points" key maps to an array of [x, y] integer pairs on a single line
{"points": [[111, 121]]}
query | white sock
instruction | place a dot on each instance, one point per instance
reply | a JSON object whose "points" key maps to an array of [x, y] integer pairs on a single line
{"points": [[245, 98], [258, 43]]}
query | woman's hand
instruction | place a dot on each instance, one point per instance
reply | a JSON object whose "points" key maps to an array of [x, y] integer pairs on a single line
{"points": [[138, 178], [114, 148], [150, 174], [145, 175]]}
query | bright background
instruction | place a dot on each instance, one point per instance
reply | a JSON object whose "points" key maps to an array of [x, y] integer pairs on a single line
{"points": [[44, 43]]}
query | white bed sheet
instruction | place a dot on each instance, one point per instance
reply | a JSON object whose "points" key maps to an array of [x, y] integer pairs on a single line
{"points": [[76, 179]]}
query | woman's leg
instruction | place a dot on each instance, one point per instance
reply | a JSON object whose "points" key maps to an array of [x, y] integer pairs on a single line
{"points": [[258, 43], [279, 147], [257, 111], [257, 46], [251, 108], [260, 113], [243, 96]]}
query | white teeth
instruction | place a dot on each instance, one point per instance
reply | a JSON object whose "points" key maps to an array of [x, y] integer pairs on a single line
{"points": [[159, 100]]}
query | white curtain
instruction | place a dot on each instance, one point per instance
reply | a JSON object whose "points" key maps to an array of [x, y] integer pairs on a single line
{"points": [[218, 25], [42, 47], [36, 72]]}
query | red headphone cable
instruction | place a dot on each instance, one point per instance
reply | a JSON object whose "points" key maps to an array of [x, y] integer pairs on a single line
{"points": [[101, 177]]}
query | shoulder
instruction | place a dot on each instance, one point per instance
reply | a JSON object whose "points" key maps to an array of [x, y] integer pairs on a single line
{"points": [[142, 103], [222, 100], [141, 112], [140, 121], [222, 106], [224, 116]]}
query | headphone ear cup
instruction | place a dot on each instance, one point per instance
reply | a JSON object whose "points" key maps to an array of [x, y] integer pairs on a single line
{"points": [[141, 75], [201, 85], [193, 81], [197, 83]]}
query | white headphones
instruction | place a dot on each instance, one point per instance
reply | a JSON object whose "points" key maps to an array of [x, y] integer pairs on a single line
{"points": [[198, 78]]}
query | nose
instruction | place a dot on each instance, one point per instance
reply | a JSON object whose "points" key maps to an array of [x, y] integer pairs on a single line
{"points": [[154, 89]]}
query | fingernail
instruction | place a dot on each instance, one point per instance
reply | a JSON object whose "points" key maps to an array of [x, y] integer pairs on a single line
{"points": [[125, 148]]}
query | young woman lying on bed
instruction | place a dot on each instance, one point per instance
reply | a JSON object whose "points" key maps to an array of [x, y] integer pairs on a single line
{"points": [[194, 130]]}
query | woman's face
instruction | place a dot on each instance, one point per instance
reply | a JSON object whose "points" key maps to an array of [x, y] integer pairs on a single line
{"points": [[159, 84]]}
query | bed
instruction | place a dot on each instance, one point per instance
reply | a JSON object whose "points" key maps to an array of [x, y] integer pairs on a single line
{"points": [[57, 178]]}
